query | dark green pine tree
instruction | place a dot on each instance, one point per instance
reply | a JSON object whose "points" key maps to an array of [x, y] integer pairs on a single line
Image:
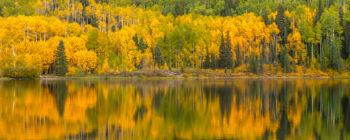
{"points": [[61, 63], [294, 66], [335, 60], [158, 57], [253, 64], [238, 56], [323, 60], [226, 54], [285, 60], [229, 52], [136, 40], [346, 45], [140, 43], [213, 64], [282, 24], [286, 63], [222, 51], [206, 63], [261, 64]]}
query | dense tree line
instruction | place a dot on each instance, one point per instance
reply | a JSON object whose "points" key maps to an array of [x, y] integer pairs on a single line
{"points": [[110, 36]]}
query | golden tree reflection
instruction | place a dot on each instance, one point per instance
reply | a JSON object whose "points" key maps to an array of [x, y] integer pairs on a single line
{"points": [[165, 109]]}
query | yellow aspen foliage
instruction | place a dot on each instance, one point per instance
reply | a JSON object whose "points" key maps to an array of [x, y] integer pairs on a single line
{"points": [[295, 44], [186, 40], [85, 60], [272, 16], [105, 67], [74, 29]]}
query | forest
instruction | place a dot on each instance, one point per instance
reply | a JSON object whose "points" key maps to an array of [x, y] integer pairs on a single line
{"points": [[74, 37]]}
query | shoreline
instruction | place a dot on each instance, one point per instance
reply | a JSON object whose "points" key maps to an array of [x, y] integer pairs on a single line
{"points": [[167, 74], [113, 77]]}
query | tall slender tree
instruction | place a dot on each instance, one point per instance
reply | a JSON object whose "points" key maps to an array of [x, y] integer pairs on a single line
{"points": [[157, 55], [206, 63], [282, 24], [226, 54], [323, 60], [238, 55], [61, 63], [346, 43], [213, 63]]}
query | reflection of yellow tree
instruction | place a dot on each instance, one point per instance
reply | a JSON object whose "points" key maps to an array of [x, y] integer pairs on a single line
{"points": [[178, 108], [78, 101], [32, 114], [249, 122]]}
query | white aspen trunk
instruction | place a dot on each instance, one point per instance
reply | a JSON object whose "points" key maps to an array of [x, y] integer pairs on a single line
{"points": [[312, 51], [13, 52]]}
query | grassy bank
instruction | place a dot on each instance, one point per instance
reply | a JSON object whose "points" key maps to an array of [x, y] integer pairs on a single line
{"points": [[5, 78], [195, 73], [239, 72]]}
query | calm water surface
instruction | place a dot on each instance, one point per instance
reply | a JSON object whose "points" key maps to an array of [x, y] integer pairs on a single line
{"points": [[167, 109]]}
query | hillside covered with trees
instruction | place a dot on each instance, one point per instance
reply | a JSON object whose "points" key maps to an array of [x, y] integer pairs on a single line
{"points": [[70, 37]]}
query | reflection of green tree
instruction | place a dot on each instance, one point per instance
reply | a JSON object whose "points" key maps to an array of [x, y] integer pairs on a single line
{"points": [[178, 109], [284, 127], [225, 94], [346, 117], [346, 113], [285, 94], [59, 90]]}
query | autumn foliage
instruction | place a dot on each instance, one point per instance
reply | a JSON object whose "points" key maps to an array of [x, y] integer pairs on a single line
{"points": [[101, 38]]}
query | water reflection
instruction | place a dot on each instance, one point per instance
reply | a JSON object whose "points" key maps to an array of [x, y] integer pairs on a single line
{"points": [[185, 109]]}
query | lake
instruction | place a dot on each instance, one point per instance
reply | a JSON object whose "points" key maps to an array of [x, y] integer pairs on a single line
{"points": [[179, 108]]}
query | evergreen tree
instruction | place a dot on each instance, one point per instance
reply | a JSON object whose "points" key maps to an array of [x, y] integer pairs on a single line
{"points": [[346, 45], [253, 64], [323, 60], [340, 65], [226, 54], [140, 43], [157, 56], [213, 64], [61, 63], [335, 60], [222, 52], [238, 56], [294, 66], [286, 63], [136, 40], [276, 66], [284, 59], [206, 63], [282, 24], [261, 65]]}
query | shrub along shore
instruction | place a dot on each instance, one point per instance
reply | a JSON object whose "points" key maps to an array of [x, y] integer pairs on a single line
{"points": [[32, 73]]}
